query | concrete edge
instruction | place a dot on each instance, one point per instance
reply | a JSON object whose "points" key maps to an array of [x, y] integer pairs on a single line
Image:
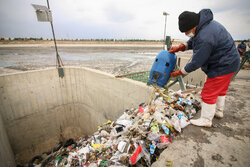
{"points": [[84, 68]]}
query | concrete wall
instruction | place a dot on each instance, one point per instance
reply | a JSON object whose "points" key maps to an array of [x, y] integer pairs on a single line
{"points": [[38, 107], [195, 78], [6, 154]]}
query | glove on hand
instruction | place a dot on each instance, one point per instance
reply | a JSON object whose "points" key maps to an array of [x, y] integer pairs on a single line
{"points": [[174, 49], [176, 73]]}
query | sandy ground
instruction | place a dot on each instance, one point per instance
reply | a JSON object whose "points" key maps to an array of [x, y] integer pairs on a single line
{"points": [[227, 143]]}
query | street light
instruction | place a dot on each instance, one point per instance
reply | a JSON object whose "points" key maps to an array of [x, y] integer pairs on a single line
{"points": [[164, 38]]}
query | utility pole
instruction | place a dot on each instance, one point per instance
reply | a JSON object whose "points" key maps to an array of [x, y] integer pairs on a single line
{"points": [[165, 29]]}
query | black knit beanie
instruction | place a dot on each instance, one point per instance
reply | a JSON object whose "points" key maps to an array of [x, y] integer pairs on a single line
{"points": [[188, 20]]}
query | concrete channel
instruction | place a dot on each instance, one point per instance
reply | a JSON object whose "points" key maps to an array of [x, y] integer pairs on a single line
{"points": [[38, 108]]}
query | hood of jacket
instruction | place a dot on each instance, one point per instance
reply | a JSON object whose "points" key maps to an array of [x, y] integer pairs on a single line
{"points": [[206, 16]]}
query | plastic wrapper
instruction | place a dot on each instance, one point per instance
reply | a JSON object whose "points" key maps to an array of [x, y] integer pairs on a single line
{"points": [[152, 147], [155, 128], [166, 130], [176, 123], [121, 146], [184, 122], [153, 136]]}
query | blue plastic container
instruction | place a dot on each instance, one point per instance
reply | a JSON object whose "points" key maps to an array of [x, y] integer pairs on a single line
{"points": [[163, 65]]}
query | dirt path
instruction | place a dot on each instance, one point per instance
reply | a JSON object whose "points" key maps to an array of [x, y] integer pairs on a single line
{"points": [[227, 143]]}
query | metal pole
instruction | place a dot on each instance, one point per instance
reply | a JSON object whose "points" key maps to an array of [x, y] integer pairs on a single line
{"points": [[165, 29], [164, 37], [57, 55]]}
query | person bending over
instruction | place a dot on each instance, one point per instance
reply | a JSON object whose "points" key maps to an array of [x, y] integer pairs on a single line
{"points": [[215, 52]]}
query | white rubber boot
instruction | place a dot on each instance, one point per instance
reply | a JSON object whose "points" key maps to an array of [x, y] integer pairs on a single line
{"points": [[220, 104], [207, 114]]}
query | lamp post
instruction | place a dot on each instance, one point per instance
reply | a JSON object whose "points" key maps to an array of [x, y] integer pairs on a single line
{"points": [[165, 27]]}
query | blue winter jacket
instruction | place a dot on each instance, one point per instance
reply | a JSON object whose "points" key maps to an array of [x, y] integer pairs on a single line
{"points": [[242, 46], [213, 47]]}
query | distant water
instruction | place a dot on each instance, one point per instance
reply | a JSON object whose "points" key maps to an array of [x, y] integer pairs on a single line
{"points": [[14, 56]]}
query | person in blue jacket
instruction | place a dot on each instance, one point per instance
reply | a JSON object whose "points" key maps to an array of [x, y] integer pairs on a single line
{"points": [[242, 47], [214, 51]]}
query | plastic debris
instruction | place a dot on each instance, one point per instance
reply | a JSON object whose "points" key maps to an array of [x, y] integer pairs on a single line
{"points": [[137, 155], [169, 163], [137, 137], [141, 110], [176, 123], [166, 130], [152, 147]]}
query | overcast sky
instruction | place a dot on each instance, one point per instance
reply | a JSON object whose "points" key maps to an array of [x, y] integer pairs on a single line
{"points": [[119, 19]]}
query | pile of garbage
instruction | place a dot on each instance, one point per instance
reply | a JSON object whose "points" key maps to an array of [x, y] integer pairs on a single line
{"points": [[136, 138]]}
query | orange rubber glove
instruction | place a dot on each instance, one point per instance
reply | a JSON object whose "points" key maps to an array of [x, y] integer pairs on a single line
{"points": [[174, 49], [176, 73]]}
